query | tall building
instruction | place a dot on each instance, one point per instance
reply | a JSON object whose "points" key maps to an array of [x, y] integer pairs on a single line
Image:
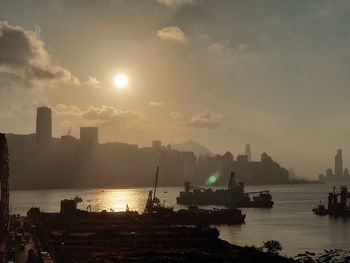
{"points": [[43, 127], [248, 152], [338, 160], [4, 190], [89, 135]]}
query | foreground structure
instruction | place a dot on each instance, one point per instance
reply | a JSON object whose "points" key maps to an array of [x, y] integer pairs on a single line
{"points": [[123, 237], [4, 195]]}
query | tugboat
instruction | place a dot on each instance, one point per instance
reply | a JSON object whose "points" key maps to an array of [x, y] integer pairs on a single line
{"points": [[162, 214], [320, 210], [233, 196]]}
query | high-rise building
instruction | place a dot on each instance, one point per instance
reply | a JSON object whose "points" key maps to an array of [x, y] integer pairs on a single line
{"points": [[248, 152], [338, 160], [4, 189], [89, 135], [43, 126]]}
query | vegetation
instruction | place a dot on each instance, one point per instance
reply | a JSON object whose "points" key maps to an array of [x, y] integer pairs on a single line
{"points": [[272, 246]]}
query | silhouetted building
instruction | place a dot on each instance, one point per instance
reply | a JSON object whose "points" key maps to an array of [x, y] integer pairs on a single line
{"points": [[43, 127], [4, 190], [72, 163], [338, 160], [156, 144], [88, 135], [339, 175], [264, 172], [248, 152], [68, 140], [242, 159], [189, 164]]}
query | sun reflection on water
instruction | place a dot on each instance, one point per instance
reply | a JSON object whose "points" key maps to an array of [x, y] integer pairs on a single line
{"points": [[114, 200]]}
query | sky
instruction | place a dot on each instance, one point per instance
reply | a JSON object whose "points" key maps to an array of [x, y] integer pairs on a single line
{"points": [[224, 73]]}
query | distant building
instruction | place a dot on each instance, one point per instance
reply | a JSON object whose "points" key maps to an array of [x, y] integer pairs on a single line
{"points": [[329, 172], [248, 152], [338, 161], [4, 190], [321, 177], [43, 127], [339, 174], [68, 140], [156, 144], [242, 158], [265, 157], [189, 162], [88, 135]]}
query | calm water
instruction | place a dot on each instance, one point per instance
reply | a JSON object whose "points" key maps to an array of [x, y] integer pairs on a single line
{"points": [[290, 221]]}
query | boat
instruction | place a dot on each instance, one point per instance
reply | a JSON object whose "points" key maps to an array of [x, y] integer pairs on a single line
{"points": [[338, 204], [162, 214], [320, 210], [233, 196]]}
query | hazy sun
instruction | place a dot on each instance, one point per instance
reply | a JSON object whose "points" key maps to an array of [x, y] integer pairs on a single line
{"points": [[121, 80]]}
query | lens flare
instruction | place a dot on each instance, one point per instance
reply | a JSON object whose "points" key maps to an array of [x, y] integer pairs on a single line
{"points": [[213, 178]]}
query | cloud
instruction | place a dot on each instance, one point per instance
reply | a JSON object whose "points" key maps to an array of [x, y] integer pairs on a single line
{"points": [[172, 3], [156, 104], [226, 47], [175, 115], [24, 58], [93, 82], [40, 102], [102, 116], [206, 120], [172, 33]]}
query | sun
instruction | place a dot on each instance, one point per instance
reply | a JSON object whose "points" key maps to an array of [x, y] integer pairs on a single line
{"points": [[121, 81]]}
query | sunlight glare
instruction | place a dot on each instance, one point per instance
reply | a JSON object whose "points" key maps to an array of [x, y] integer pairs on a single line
{"points": [[121, 80]]}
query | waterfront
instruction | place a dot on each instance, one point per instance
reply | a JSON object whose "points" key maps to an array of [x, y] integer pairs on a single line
{"points": [[290, 221]]}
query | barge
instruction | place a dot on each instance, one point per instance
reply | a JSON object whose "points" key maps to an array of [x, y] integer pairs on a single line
{"points": [[191, 216], [338, 204], [233, 196]]}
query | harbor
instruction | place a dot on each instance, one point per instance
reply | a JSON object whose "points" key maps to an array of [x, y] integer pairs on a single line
{"points": [[290, 221]]}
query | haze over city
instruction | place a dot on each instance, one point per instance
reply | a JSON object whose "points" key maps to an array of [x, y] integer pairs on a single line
{"points": [[223, 73]]}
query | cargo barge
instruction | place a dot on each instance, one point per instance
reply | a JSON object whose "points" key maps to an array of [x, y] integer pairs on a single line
{"points": [[233, 196], [338, 204]]}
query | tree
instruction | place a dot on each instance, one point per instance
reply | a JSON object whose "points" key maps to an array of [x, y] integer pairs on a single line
{"points": [[272, 246]]}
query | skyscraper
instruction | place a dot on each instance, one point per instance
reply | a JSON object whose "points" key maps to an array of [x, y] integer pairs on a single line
{"points": [[43, 127], [338, 159], [248, 152], [4, 188]]}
